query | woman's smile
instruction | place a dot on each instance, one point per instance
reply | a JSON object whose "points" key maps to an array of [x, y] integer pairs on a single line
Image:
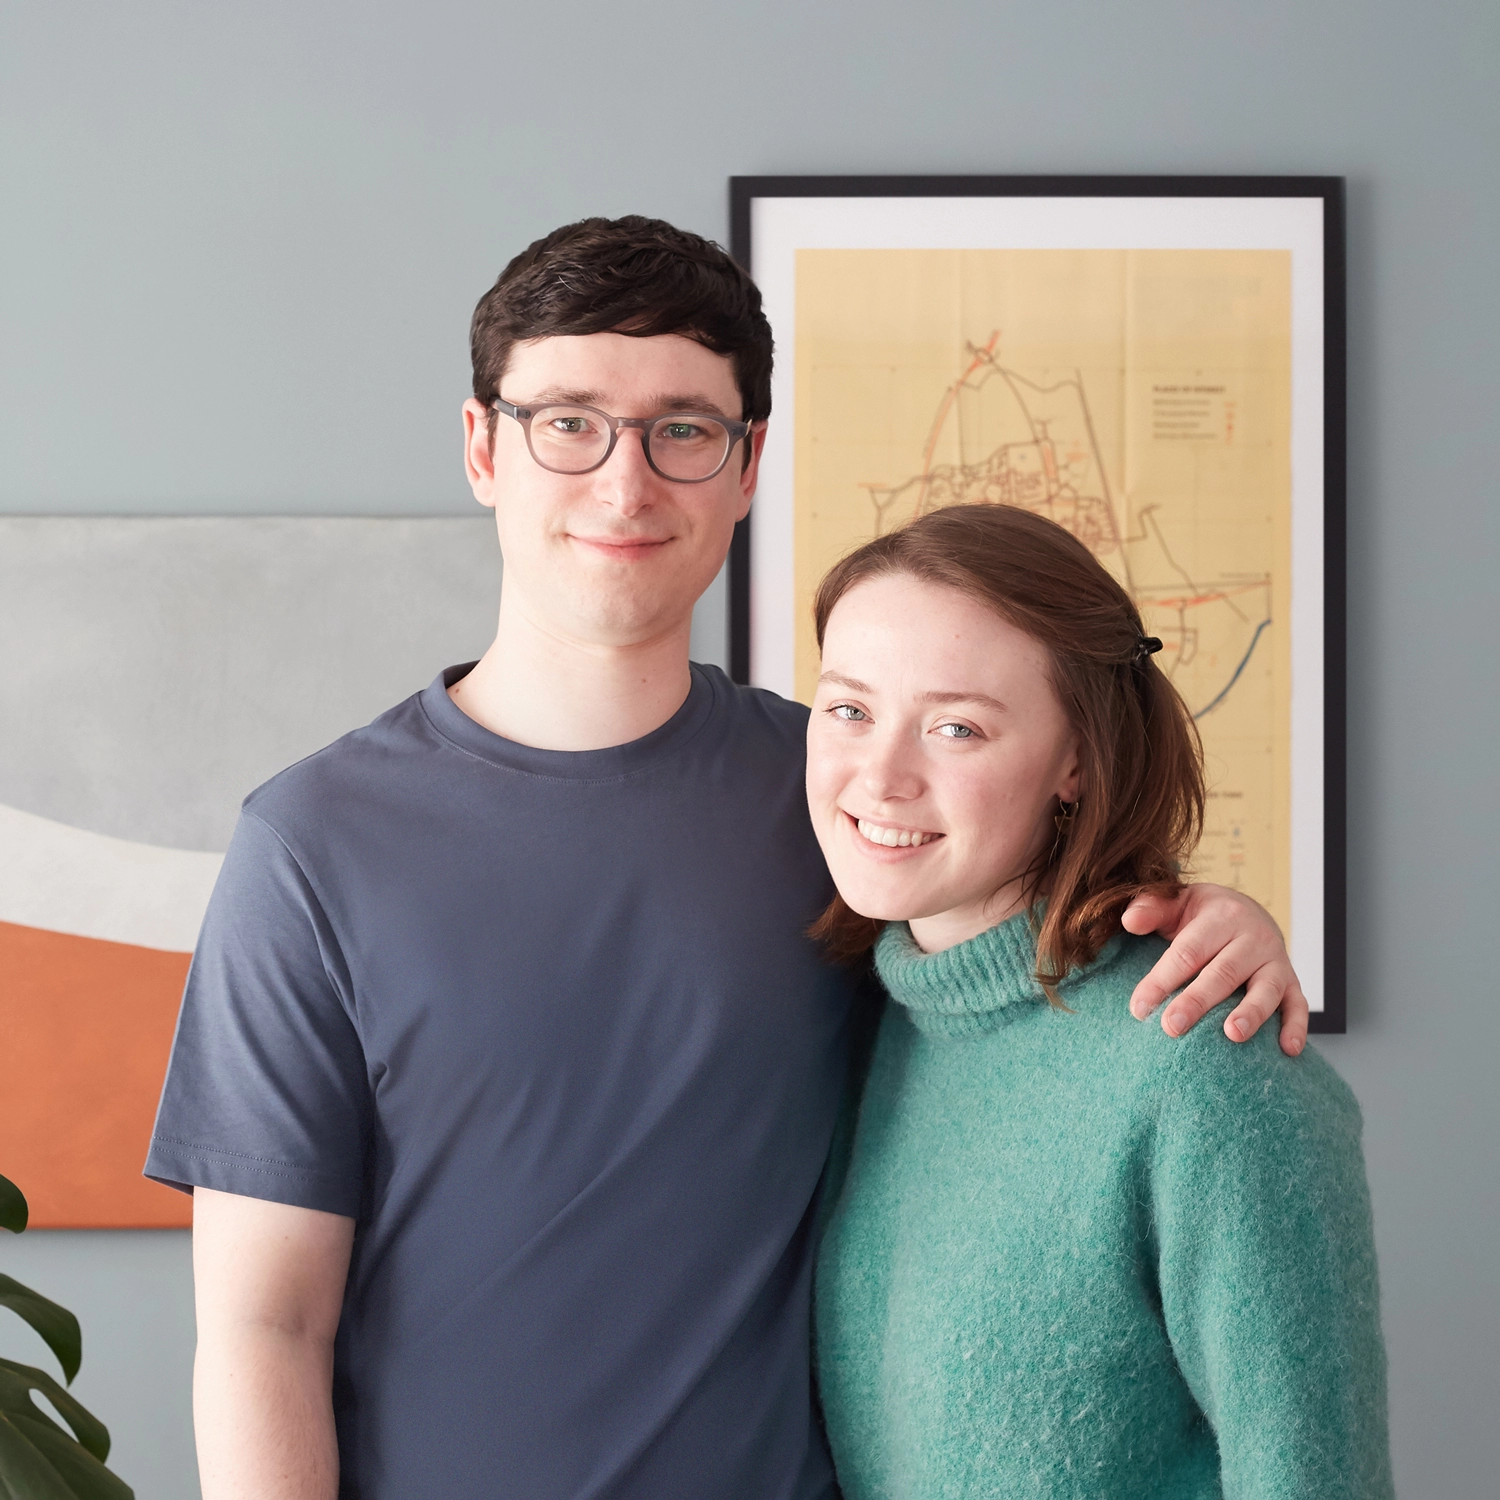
{"points": [[890, 835]]}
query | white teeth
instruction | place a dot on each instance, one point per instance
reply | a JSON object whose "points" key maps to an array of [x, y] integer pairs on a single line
{"points": [[893, 838]]}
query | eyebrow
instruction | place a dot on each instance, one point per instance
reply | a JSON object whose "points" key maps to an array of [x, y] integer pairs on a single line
{"points": [[851, 683], [983, 698], [855, 686], [694, 401]]}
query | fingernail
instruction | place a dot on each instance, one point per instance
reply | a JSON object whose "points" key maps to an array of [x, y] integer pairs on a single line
{"points": [[1169, 1025], [1297, 1046], [1138, 1010], [1238, 1030]]}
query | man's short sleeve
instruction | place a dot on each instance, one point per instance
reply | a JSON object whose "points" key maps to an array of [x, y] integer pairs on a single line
{"points": [[267, 1092]]}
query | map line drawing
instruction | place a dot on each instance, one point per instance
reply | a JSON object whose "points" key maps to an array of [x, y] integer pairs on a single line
{"points": [[1065, 479], [1244, 662]]}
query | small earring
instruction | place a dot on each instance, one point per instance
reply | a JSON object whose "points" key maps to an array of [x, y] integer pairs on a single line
{"points": [[1065, 814]]}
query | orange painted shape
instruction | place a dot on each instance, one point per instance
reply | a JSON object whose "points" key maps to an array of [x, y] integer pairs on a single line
{"points": [[85, 1029]]}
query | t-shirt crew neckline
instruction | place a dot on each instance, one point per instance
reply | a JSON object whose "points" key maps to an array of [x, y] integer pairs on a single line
{"points": [[615, 761]]}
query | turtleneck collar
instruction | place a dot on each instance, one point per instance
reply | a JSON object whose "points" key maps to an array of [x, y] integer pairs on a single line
{"points": [[972, 987]]}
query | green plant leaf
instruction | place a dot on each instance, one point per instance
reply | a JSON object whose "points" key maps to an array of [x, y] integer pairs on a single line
{"points": [[25, 1473], [55, 1324], [13, 1210], [38, 1459], [83, 1475], [17, 1382]]}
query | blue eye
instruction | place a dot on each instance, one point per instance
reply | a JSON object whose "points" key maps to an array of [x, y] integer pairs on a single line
{"points": [[956, 731], [847, 712]]}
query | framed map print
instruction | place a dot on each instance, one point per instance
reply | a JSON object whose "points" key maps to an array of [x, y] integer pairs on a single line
{"points": [[1156, 363]]}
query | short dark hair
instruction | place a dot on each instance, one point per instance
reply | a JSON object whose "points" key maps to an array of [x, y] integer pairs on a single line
{"points": [[1140, 807], [636, 276]]}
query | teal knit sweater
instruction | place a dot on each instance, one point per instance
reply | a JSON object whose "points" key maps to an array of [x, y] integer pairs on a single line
{"points": [[1073, 1256]]}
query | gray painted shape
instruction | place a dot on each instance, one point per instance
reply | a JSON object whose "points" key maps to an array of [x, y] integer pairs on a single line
{"points": [[152, 672]]}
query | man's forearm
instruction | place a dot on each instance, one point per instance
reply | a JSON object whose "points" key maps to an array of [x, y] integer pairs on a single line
{"points": [[263, 1410]]}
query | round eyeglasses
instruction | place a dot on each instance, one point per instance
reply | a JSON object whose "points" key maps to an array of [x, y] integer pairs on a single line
{"points": [[686, 447]]}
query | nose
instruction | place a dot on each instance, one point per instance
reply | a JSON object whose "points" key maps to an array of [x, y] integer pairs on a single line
{"points": [[627, 482], [892, 770]]}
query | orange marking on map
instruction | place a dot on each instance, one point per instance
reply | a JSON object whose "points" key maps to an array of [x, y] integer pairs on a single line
{"points": [[981, 357]]}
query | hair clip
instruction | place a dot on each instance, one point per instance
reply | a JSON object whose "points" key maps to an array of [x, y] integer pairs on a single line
{"points": [[1146, 647]]}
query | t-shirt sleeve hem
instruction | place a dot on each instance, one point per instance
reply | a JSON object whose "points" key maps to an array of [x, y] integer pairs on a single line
{"points": [[184, 1166]]}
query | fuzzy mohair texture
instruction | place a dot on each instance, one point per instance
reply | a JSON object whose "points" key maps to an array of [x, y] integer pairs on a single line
{"points": [[1073, 1256]]}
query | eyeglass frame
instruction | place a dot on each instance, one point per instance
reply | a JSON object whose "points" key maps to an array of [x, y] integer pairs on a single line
{"points": [[523, 415]]}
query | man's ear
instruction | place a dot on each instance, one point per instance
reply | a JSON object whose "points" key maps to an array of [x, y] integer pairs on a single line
{"points": [[755, 441], [479, 457]]}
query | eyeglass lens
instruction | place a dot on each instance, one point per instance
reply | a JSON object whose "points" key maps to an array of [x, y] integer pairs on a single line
{"points": [[573, 439]]}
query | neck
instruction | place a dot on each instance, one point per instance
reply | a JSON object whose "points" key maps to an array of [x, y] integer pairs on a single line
{"points": [[537, 687], [947, 929]]}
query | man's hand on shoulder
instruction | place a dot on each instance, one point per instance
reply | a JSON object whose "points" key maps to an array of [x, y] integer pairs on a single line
{"points": [[1220, 940]]}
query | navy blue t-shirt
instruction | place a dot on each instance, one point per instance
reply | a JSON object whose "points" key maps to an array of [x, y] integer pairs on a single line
{"points": [[548, 1026]]}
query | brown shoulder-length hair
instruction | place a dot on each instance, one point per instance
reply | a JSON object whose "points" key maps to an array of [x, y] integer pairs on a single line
{"points": [[1140, 802]]}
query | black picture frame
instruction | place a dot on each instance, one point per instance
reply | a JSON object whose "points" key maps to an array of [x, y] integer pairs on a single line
{"points": [[744, 192]]}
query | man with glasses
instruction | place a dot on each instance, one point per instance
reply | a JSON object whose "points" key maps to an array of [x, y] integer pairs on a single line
{"points": [[506, 1071]]}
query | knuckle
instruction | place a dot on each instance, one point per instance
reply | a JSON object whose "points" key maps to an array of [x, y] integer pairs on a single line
{"points": [[1190, 953], [1223, 969], [1259, 1002]]}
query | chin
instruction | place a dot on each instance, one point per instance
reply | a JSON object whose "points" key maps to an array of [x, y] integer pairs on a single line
{"points": [[620, 620], [879, 905]]}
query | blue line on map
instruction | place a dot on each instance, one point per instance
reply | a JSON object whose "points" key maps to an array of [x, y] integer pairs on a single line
{"points": [[1244, 662]]}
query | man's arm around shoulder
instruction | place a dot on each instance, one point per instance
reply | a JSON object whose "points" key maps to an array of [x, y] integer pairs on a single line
{"points": [[269, 1283]]}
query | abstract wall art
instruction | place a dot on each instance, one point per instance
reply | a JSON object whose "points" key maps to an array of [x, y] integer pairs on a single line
{"points": [[153, 671]]}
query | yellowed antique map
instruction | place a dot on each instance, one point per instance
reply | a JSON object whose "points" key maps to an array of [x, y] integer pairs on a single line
{"points": [[1140, 398]]}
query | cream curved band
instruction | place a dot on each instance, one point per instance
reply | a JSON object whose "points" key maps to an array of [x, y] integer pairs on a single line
{"points": [[67, 879]]}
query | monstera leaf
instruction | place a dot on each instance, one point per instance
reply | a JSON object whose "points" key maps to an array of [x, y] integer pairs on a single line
{"points": [[13, 1210], [57, 1326], [39, 1459]]}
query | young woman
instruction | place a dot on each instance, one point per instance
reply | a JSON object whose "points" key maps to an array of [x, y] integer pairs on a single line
{"points": [[1071, 1255]]}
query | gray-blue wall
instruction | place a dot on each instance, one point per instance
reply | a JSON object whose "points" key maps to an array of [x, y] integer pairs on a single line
{"points": [[239, 247]]}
